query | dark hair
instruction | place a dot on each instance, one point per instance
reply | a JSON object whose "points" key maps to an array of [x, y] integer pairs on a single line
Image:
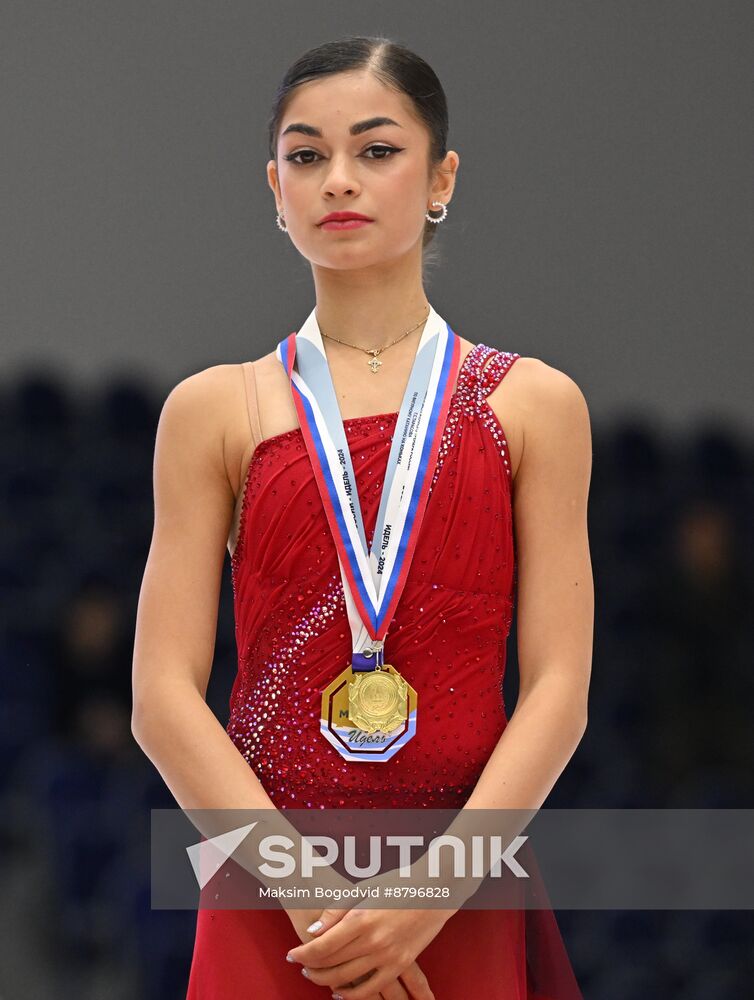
{"points": [[393, 64]]}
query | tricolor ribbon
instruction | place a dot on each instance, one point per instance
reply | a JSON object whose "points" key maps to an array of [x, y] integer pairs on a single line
{"points": [[373, 580]]}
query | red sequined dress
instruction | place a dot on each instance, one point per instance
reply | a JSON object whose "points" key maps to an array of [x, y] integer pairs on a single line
{"points": [[448, 637]]}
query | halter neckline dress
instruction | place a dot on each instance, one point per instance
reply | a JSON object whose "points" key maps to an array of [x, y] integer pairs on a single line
{"points": [[447, 638]]}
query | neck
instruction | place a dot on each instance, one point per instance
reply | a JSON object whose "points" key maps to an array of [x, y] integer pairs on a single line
{"points": [[368, 309]]}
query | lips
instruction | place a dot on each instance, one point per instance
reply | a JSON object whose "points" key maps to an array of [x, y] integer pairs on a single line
{"points": [[344, 217], [346, 226]]}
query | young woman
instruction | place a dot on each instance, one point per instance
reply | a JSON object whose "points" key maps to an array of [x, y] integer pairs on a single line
{"points": [[243, 459]]}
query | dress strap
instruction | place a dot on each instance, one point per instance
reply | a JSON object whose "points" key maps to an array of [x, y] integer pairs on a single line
{"points": [[468, 376], [252, 409], [496, 365], [252, 401]]}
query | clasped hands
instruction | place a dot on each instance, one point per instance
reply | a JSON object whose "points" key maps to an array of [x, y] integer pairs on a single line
{"points": [[359, 952]]}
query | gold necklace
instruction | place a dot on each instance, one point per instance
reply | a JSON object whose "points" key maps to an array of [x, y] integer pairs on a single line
{"points": [[373, 362]]}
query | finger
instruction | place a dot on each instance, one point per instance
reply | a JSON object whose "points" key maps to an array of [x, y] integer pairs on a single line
{"points": [[375, 996], [347, 975], [357, 948], [327, 919], [379, 980], [394, 991], [319, 952], [361, 979], [416, 983]]}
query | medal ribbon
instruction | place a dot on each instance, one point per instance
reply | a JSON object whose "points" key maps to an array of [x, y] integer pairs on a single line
{"points": [[373, 580]]}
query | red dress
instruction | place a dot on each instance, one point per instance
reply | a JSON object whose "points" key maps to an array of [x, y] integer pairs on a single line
{"points": [[454, 614]]}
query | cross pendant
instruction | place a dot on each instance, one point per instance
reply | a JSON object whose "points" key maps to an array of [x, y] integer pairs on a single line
{"points": [[374, 363]]}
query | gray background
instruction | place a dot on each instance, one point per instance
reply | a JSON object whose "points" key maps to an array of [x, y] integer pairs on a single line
{"points": [[602, 218], [602, 221]]}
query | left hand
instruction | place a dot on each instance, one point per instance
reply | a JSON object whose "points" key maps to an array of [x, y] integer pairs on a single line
{"points": [[352, 943]]}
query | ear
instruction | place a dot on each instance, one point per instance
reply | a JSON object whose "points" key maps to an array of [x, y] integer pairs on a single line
{"points": [[273, 181], [444, 179]]}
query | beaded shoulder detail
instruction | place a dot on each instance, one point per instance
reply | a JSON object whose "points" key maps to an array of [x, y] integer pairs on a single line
{"points": [[495, 371], [483, 369]]}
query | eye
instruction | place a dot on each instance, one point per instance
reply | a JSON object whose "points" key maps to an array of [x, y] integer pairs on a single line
{"points": [[387, 150], [291, 157]]}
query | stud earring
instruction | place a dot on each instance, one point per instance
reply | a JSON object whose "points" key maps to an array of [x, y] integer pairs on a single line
{"points": [[280, 220], [439, 218]]}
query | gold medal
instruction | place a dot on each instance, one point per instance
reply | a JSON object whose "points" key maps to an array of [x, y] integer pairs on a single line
{"points": [[378, 699], [369, 714]]}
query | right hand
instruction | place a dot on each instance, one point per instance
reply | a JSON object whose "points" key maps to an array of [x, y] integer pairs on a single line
{"points": [[412, 984]]}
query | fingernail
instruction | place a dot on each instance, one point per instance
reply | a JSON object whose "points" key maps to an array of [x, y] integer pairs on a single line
{"points": [[337, 996], [312, 929], [305, 972], [289, 958]]}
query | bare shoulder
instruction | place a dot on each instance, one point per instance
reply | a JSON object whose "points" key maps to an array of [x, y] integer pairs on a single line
{"points": [[206, 388], [532, 383], [202, 401], [277, 413], [271, 377], [210, 406], [224, 389], [536, 400]]}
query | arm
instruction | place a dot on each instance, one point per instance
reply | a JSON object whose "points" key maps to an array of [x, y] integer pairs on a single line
{"points": [[177, 612], [555, 598], [555, 593]]}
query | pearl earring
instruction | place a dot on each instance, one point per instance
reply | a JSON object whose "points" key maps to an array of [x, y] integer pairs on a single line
{"points": [[439, 218], [280, 221]]}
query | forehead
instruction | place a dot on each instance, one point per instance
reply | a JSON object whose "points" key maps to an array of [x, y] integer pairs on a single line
{"points": [[335, 102]]}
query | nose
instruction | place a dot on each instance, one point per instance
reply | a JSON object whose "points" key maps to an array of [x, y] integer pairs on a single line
{"points": [[339, 178]]}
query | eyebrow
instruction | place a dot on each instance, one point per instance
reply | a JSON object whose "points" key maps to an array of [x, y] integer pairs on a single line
{"points": [[356, 129]]}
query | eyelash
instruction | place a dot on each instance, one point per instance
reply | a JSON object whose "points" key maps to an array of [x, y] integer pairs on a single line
{"points": [[291, 157]]}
